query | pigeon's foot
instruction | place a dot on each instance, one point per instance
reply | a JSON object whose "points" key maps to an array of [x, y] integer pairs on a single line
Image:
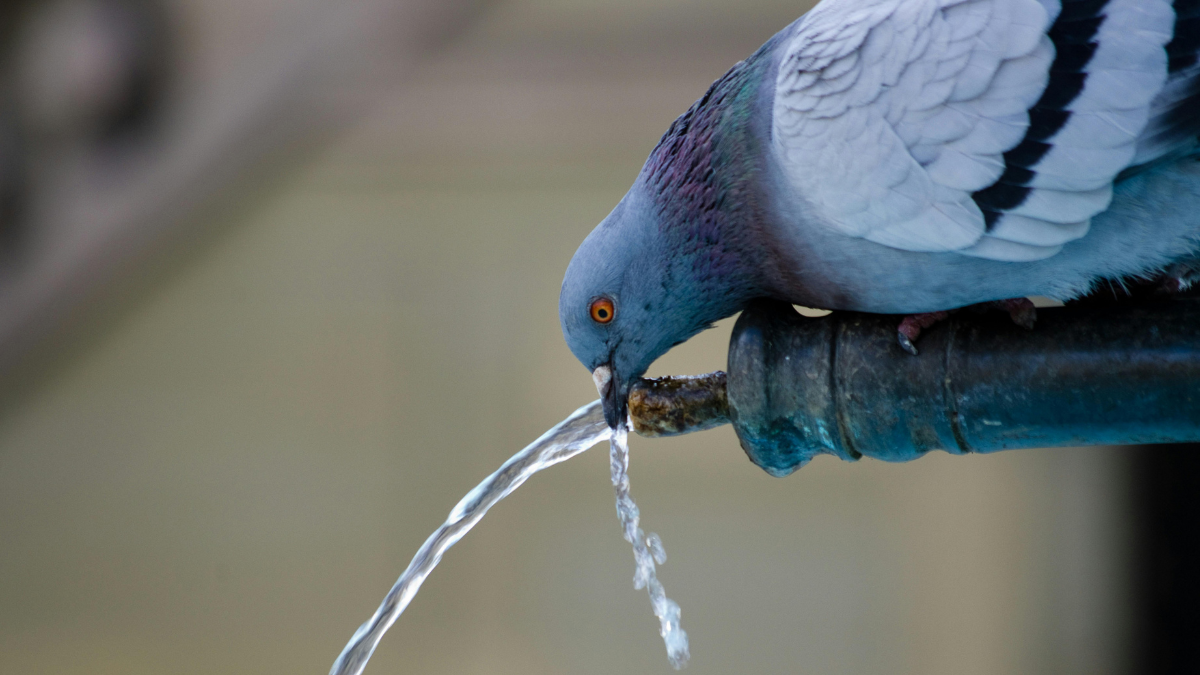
{"points": [[1180, 277], [1020, 310], [910, 328]]}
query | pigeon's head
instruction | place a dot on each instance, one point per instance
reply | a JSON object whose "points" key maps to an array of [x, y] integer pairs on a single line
{"points": [[622, 304]]}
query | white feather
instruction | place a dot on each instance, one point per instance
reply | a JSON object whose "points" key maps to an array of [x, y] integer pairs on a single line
{"points": [[1022, 230], [1080, 169], [1058, 206], [920, 119], [1073, 180], [890, 114], [1159, 139], [1009, 251], [1108, 128]]}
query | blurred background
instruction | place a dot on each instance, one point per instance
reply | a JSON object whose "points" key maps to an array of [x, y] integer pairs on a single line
{"points": [[278, 285]]}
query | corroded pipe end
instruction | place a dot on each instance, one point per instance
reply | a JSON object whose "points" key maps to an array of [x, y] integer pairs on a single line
{"points": [[670, 406]]}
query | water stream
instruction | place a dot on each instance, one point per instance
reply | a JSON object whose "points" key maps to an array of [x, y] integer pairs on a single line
{"points": [[581, 430], [646, 552]]}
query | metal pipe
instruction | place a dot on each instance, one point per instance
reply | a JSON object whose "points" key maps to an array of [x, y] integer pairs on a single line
{"points": [[670, 406], [840, 384]]}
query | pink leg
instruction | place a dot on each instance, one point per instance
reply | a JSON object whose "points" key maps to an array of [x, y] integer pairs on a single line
{"points": [[912, 325], [1021, 310]]}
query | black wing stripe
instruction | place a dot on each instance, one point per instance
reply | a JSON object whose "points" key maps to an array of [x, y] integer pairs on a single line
{"points": [[1185, 43], [1073, 35], [1045, 122], [1081, 9], [1176, 121]]}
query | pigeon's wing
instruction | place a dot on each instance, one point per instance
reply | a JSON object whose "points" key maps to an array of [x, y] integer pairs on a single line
{"points": [[1175, 113], [994, 128]]}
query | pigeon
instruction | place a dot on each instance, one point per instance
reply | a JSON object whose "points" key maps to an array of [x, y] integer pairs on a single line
{"points": [[905, 157]]}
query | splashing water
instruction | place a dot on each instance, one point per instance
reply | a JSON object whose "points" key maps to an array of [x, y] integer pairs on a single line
{"points": [[647, 550], [583, 429]]}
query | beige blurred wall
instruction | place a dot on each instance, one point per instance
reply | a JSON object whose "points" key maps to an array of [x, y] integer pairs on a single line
{"points": [[225, 469]]}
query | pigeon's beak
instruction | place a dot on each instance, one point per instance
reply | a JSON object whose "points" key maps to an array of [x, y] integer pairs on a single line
{"points": [[614, 395]]}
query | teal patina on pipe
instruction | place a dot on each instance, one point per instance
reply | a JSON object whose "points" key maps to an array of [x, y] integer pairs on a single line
{"points": [[798, 387]]}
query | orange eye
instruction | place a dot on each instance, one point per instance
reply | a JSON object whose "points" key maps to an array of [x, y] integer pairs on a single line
{"points": [[602, 310]]}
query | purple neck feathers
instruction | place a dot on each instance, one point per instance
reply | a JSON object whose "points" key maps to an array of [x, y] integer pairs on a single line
{"points": [[702, 180]]}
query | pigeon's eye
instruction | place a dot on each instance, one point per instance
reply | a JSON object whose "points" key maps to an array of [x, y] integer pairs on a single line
{"points": [[601, 310]]}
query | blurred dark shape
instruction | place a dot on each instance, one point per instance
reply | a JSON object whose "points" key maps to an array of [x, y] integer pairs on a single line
{"points": [[115, 131], [91, 69], [75, 75], [12, 155], [11, 14], [12, 171], [1166, 481]]}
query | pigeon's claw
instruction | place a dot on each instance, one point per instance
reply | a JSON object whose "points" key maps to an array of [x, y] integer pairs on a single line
{"points": [[910, 328], [1180, 277], [1021, 310]]}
